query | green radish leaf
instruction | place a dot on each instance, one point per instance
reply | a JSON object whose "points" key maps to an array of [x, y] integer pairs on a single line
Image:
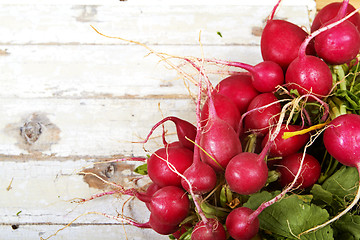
{"points": [[343, 183], [349, 224], [219, 33], [326, 199], [291, 216], [142, 169]]}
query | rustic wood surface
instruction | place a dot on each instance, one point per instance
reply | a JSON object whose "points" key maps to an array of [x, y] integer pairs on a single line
{"points": [[73, 100]]}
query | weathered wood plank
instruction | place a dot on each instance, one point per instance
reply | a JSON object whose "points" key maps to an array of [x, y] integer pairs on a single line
{"points": [[110, 232], [36, 196], [84, 127], [66, 71], [42, 192], [152, 24]]}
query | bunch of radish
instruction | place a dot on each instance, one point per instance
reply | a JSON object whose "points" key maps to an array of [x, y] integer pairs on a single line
{"points": [[279, 128]]}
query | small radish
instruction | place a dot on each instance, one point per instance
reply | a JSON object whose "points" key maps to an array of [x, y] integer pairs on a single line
{"points": [[161, 163], [330, 11], [246, 173], [289, 166], [342, 139], [184, 130], [239, 89], [280, 41], [219, 141], [284, 147], [260, 120], [169, 205], [213, 230], [266, 76], [160, 227], [201, 176], [309, 73], [240, 224], [339, 44], [225, 109]]}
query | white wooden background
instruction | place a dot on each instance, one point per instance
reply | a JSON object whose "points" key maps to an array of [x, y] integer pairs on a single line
{"points": [[70, 97]]}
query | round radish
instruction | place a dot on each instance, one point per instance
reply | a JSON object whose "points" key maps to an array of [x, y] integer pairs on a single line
{"points": [[280, 42], [330, 11], [289, 166], [246, 173], [260, 120], [158, 170], [284, 147], [162, 228], [240, 225], [239, 89], [221, 142], [342, 139], [213, 230], [201, 176], [338, 45], [266, 76], [218, 140], [309, 74], [169, 205]]}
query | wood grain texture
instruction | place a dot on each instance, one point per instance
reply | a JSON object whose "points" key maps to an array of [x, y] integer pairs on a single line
{"points": [[71, 98]]}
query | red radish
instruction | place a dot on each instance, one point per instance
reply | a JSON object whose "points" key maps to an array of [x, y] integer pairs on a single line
{"points": [[239, 89], [289, 166], [309, 73], [161, 163], [266, 76], [259, 121], [330, 11], [339, 44], [213, 230], [150, 191], [240, 225], [169, 205], [342, 139], [183, 128], [246, 173], [221, 142], [280, 41], [225, 109], [284, 147], [201, 176], [162, 228]]}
